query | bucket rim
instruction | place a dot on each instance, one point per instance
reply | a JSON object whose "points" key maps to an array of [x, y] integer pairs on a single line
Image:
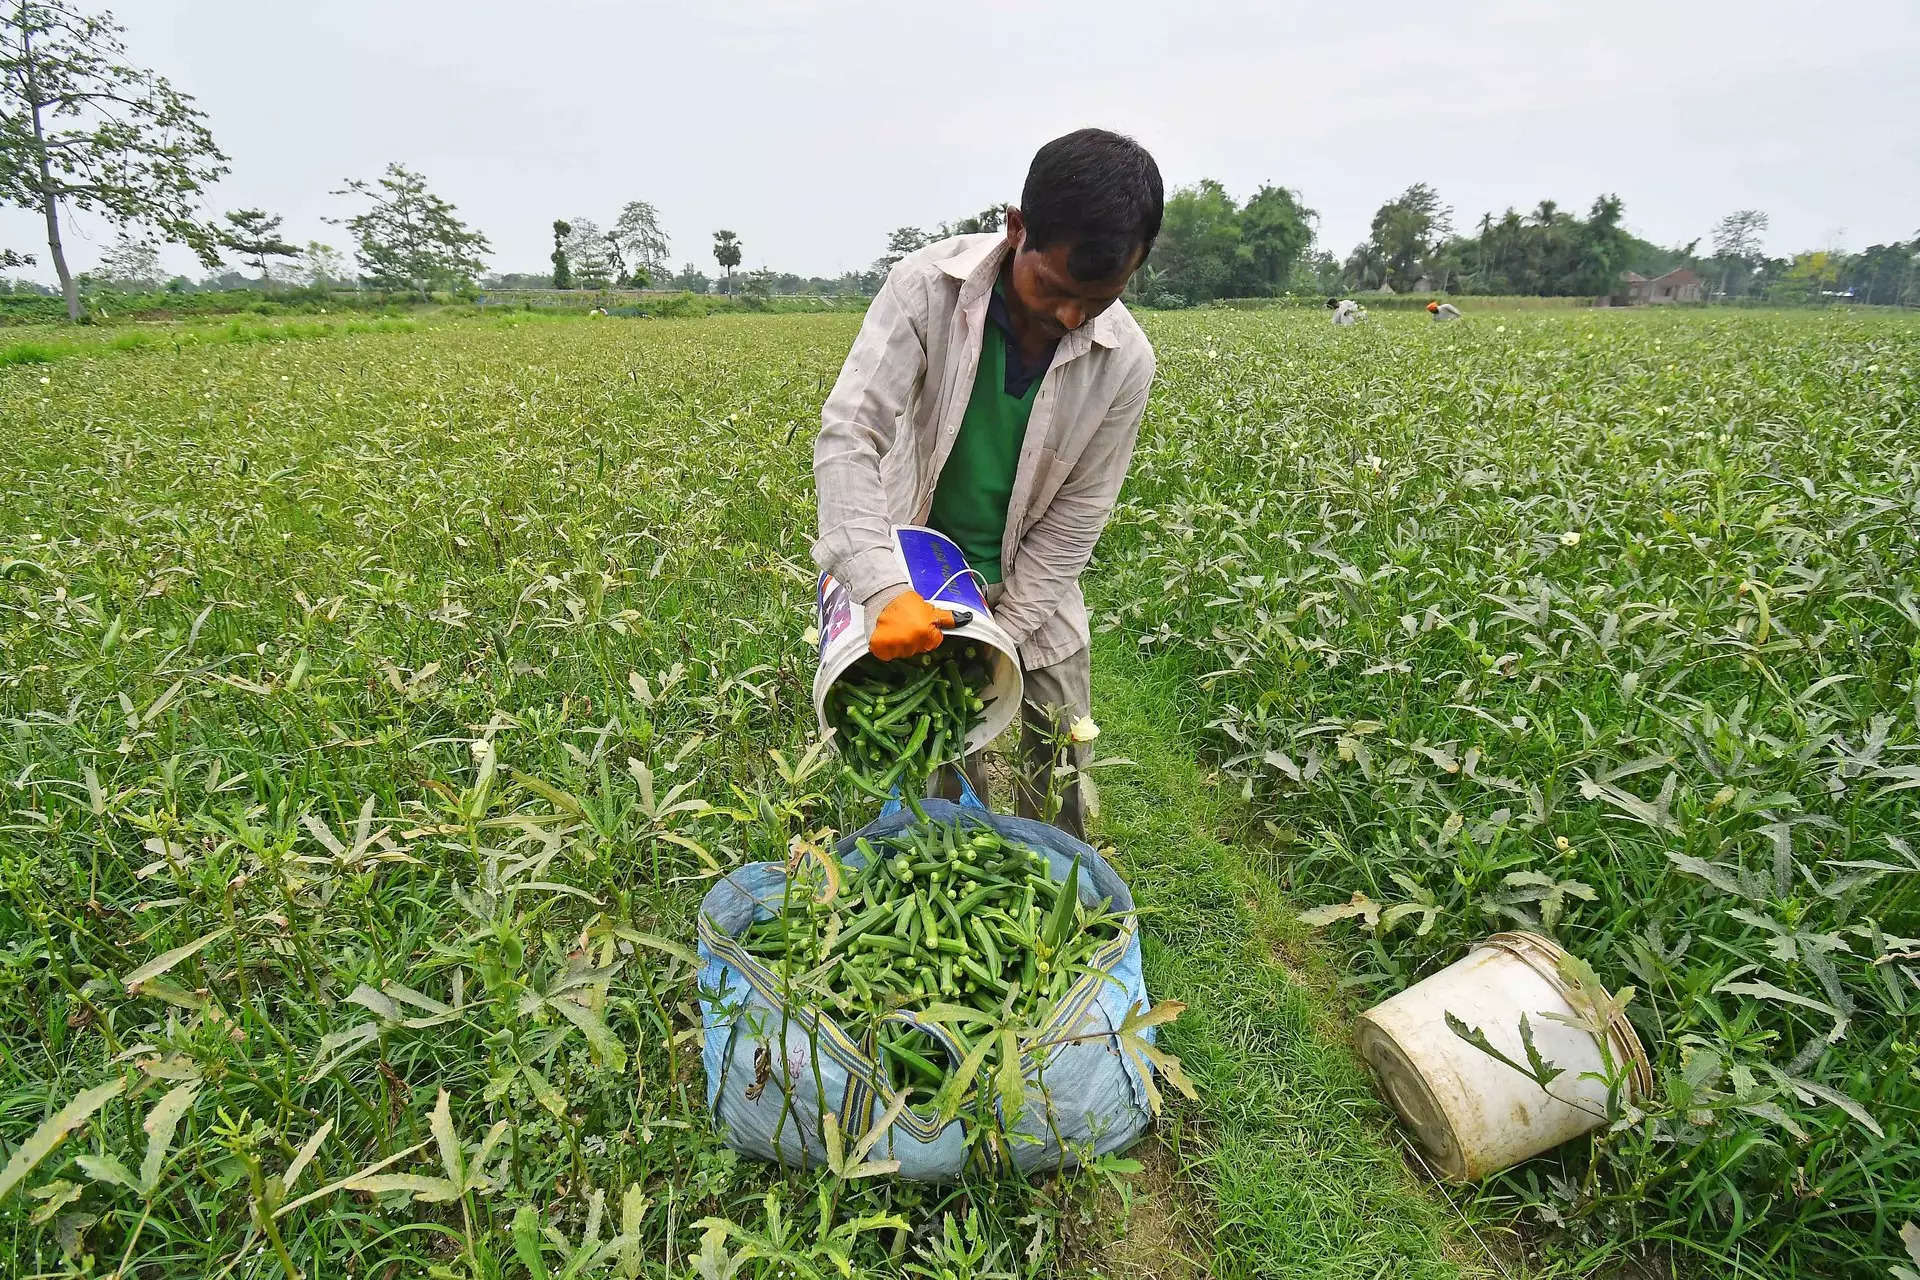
{"points": [[1370, 1037], [1544, 956], [836, 656], [1001, 712]]}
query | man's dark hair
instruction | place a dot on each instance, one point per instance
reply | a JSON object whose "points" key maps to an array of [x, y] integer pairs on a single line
{"points": [[1098, 192], [1333, 302]]}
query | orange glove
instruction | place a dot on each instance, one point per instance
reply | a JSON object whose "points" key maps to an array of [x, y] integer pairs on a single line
{"points": [[907, 626]]}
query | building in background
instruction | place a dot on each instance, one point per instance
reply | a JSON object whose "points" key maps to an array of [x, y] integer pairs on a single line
{"points": [[1679, 285]]}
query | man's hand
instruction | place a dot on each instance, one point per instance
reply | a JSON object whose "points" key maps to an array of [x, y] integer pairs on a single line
{"points": [[908, 626]]}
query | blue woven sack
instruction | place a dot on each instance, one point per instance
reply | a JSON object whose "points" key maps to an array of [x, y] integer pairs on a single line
{"points": [[775, 1072]]}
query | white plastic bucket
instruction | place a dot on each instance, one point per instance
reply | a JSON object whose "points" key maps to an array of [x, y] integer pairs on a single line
{"points": [[1473, 1114], [937, 569]]}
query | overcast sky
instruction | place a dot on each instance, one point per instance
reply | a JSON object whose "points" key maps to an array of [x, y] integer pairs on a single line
{"points": [[813, 127]]}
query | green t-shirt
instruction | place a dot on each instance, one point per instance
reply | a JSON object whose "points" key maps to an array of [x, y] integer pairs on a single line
{"points": [[970, 498]]}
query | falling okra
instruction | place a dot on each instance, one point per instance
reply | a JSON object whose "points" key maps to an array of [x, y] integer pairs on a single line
{"points": [[898, 721]]}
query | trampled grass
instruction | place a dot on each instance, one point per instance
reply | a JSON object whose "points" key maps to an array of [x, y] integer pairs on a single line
{"points": [[345, 687]]}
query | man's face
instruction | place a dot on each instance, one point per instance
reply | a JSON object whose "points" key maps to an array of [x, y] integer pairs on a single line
{"points": [[1046, 295]]}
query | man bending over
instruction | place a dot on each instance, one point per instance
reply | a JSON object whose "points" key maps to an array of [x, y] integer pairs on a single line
{"points": [[994, 394]]}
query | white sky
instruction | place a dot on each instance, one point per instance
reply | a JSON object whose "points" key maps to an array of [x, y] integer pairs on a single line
{"points": [[814, 127]]}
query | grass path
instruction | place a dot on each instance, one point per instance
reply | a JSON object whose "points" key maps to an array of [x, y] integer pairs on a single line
{"points": [[1286, 1167]]}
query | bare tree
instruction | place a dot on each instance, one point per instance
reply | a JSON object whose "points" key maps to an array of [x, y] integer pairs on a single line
{"points": [[640, 244], [321, 266], [131, 264], [591, 254], [1736, 241]]}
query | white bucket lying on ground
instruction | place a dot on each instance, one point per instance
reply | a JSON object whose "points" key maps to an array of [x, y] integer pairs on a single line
{"points": [[938, 570], [1473, 1114]]}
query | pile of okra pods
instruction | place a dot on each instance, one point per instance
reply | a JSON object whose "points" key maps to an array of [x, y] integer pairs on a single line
{"points": [[946, 914]]}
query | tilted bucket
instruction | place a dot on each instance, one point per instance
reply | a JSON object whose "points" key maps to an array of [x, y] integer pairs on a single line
{"points": [[1473, 1114], [938, 570]]}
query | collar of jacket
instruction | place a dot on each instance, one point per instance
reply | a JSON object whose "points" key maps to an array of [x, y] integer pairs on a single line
{"points": [[977, 266]]}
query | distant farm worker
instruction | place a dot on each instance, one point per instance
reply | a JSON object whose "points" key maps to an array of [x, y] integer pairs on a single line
{"points": [[994, 394], [1346, 310], [1443, 311]]}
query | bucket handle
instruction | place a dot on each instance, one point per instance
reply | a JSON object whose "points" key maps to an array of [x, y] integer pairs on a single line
{"points": [[979, 579], [969, 798]]}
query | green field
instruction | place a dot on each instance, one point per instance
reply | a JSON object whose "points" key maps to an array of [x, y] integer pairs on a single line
{"points": [[376, 703]]}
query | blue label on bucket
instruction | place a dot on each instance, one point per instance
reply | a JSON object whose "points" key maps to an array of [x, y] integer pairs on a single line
{"points": [[835, 610], [937, 569]]}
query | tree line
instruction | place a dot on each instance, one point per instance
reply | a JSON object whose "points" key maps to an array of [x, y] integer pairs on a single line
{"points": [[1211, 247], [81, 128]]}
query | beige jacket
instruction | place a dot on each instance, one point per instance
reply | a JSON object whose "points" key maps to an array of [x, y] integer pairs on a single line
{"points": [[890, 423]]}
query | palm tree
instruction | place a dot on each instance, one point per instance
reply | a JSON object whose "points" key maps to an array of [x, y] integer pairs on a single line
{"points": [[726, 252], [1366, 267]]}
